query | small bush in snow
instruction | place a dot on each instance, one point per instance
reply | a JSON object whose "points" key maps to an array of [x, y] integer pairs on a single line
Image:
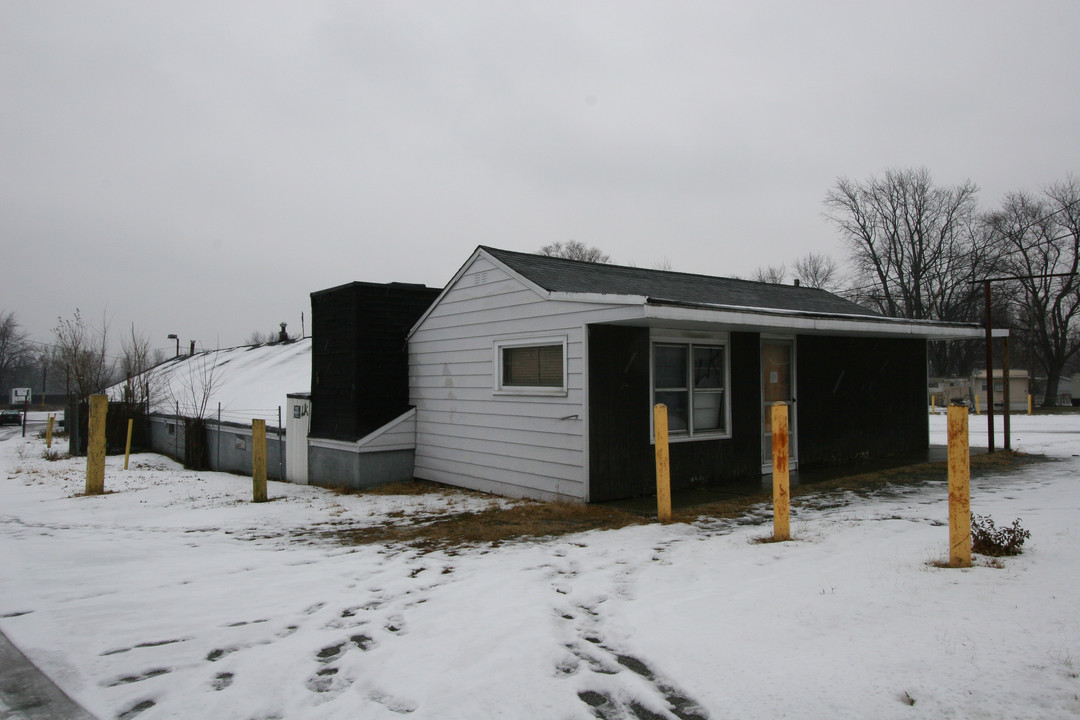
{"points": [[988, 539]]}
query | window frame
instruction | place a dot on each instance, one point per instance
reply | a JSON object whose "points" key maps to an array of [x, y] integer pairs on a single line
{"points": [[691, 341], [498, 385]]}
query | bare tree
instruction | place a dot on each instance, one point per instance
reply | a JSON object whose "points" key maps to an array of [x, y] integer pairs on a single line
{"points": [[1040, 242], [259, 338], [194, 385], [14, 347], [774, 274], [818, 271], [81, 355], [141, 385], [915, 248], [575, 250]]}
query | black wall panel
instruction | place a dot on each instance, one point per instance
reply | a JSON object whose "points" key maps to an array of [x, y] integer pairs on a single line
{"points": [[860, 398], [621, 455], [359, 360]]}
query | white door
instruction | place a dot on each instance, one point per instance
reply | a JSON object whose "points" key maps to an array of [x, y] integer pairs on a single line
{"points": [[297, 425]]}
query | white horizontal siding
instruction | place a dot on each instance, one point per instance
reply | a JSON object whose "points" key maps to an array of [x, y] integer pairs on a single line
{"points": [[398, 434], [466, 434], [486, 478], [543, 316], [491, 436]]}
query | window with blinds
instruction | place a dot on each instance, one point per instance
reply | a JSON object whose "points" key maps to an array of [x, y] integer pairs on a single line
{"points": [[531, 366]]}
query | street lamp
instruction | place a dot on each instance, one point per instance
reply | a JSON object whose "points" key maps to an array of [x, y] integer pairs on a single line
{"points": [[174, 336]]}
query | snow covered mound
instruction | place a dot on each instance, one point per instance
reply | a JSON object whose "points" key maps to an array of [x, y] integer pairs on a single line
{"points": [[249, 381]]}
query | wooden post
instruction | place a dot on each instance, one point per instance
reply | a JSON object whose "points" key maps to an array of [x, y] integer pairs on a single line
{"points": [[258, 460], [95, 446], [959, 489], [663, 464], [1029, 403], [977, 404], [127, 446], [49, 425], [781, 491], [933, 404]]}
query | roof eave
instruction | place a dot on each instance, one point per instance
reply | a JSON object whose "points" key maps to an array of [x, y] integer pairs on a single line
{"points": [[805, 321]]}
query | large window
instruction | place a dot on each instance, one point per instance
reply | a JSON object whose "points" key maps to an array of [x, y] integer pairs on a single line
{"points": [[690, 379], [531, 366]]}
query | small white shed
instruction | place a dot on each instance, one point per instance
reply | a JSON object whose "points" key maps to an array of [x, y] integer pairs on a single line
{"points": [[297, 425]]}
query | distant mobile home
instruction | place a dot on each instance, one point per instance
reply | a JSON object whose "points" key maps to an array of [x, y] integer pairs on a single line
{"points": [[1019, 387]]}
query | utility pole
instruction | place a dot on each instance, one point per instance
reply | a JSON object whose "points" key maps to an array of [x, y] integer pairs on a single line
{"points": [[989, 373]]}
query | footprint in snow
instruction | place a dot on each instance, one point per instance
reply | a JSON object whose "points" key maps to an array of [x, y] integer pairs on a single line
{"points": [[327, 680], [363, 642], [399, 705], [330, 652], [145, 675], [218, 653], [136, 709]]}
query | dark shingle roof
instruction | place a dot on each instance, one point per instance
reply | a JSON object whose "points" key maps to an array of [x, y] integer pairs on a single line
{"points": [[573, 276]]}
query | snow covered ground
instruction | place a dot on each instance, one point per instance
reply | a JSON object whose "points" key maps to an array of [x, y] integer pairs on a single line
{"points": [[175, 597]]}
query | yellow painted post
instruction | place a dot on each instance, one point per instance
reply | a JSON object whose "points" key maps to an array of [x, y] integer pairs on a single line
{"points": [[258, 460], [959, 489], [95, 446], [977, 404], [127, 448], [933, 404], [781, 491], [1029, 403], [663, 464], [48, 431]]}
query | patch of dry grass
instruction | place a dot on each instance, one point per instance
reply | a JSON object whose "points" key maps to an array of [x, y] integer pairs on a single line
{"points": [[492, 526], [402, 487], [526, 519], [862, 484]]}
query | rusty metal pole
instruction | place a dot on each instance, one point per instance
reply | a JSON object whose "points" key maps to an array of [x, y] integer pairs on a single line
{"points": [[989, 373], [781, 477]]}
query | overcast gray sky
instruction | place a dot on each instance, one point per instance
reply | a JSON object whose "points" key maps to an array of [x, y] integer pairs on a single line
{"points": [[201, 167]]}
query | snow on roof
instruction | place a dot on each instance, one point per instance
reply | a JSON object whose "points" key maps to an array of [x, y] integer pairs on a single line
{"points": [[249, 381]]}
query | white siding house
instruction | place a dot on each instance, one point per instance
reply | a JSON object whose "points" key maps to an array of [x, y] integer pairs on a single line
{"points": [[500, 365], [473, 431]]}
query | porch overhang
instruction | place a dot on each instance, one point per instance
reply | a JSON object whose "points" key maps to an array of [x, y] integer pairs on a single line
{"points": [[700, 316]]}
